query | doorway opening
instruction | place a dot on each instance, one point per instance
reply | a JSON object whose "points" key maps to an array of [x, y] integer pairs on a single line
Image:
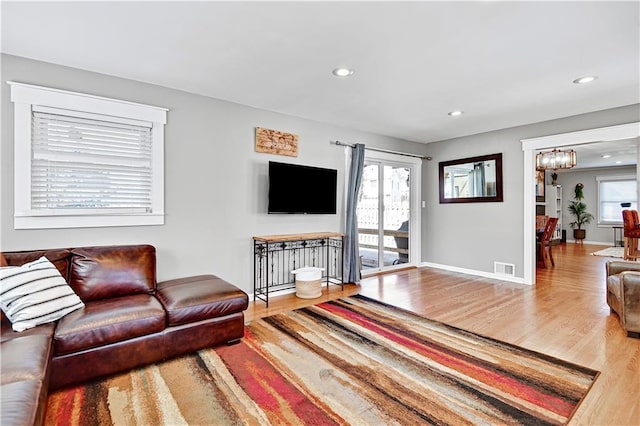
{"points": [[529, 147]]}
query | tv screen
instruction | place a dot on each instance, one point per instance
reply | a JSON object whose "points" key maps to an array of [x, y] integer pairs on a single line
{"points": [[301, 189]]}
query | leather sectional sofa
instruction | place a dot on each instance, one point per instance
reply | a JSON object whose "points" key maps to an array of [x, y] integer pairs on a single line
{"points": [[128, 320]]}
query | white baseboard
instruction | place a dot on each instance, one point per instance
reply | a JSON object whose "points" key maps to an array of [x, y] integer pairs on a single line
{"points": [[517, 280], [598, 243]]}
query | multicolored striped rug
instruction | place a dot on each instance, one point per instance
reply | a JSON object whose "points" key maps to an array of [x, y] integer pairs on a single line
{"points": [[351, 361]]}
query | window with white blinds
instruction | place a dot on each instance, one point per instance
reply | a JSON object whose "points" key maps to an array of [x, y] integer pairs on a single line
{"points": [[89, 163], [86, 161], [612, 192]]}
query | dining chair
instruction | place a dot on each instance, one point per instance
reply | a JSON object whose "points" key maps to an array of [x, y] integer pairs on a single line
{"points": [[540, 221], [546, 243], [631, 229]]}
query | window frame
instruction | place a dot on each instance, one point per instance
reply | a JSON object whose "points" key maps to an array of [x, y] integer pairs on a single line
{"points": [[619, 178], [24, 97]]}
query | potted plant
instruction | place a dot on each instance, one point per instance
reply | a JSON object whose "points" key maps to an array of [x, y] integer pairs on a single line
{"points": [[578, 209]]}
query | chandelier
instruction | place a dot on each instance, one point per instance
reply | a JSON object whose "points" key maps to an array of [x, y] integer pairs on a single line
{"points": [[556, 159]]}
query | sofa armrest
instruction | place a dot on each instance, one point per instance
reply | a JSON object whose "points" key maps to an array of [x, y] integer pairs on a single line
{"points": [[630, 300], [630, 278], [616, 266]]}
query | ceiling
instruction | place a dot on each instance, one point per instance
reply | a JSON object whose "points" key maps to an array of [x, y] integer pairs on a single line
{"points": [[503, 63], [618, 153]]}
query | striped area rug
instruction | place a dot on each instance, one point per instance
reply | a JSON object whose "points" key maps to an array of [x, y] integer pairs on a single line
{"points": [[351, 361]]}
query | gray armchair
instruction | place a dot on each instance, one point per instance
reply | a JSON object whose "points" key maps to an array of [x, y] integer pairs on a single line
{"points": [[623, 294]]}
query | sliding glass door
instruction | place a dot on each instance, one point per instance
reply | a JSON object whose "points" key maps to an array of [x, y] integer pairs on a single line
{"points": [[384, 214]]}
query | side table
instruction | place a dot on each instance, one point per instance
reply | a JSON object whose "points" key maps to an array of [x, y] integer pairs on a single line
{"points": [[275, 256], [618, 242]]}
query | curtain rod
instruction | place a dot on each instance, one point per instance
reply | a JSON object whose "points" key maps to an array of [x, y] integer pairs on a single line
{"points": [[388, 151]]}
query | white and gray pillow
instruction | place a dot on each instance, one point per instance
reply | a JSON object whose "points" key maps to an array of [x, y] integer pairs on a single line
{"points": [[35, 293]]}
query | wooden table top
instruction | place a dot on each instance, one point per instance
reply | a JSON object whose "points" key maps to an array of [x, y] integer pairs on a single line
{"points": [[297, 237]]}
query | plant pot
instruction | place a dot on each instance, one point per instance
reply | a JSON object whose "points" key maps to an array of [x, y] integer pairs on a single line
{"points": [[579, 234]]}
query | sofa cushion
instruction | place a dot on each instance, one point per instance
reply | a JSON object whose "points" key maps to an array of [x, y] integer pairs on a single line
{"points": [[7, 333], [23, 403], [200, 297], [35, 293], [59, 257], [113, 271], [25, 358], [107, 321]]}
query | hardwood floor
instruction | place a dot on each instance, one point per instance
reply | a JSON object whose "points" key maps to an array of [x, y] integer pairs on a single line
{"points": [[564, 315]]}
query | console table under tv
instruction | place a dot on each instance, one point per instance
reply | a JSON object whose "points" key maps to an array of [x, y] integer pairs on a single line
{"points": [[275, 256]]}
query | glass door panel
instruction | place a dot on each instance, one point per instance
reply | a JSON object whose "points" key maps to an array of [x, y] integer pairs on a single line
{"points": [[396, 215], [368, 216], [383, 215]]}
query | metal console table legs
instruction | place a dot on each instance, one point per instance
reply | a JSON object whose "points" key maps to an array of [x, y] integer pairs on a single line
{"points": [[275, 256]]}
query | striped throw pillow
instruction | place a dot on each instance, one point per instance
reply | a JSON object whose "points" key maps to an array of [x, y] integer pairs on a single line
{"points": [[35, 293]]}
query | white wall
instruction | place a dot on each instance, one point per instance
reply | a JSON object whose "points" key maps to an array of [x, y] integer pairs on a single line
{"points": [[215, 182], [473, 236]]}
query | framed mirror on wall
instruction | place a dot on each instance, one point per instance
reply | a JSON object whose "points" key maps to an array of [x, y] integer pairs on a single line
{"points": [[471, 180]]}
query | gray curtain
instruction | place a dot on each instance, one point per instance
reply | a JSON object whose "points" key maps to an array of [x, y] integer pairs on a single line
{"points": [[351, 268]]}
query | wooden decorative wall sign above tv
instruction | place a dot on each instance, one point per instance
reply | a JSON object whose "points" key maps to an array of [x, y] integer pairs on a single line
{"points": [[275, 142]]}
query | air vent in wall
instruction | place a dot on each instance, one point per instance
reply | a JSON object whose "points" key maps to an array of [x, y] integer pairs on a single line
{"points": [[501, 268]]}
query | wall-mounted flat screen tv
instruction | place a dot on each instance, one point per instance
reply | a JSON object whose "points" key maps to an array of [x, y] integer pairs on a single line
{"points": [[295, 188]]}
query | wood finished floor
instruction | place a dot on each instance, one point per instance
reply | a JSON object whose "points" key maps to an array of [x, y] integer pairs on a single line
{"points": [[564, 315]]}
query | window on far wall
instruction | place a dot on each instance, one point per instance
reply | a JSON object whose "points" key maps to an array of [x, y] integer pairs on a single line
{"points": [[613, 190], [86, 161]]}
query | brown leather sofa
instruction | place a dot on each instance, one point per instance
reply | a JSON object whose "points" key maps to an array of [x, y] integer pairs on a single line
{"points": [[128, 320], [623, 294]]}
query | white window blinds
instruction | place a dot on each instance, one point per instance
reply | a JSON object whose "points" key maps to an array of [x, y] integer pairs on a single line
{"points": [[612, 191], [84, 161], [87, 162]]}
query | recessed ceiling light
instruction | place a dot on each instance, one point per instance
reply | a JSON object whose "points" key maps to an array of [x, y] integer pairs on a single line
{"points": [[618, 162], [342, 72], [585, 79], [455, 113], [606, 156]]}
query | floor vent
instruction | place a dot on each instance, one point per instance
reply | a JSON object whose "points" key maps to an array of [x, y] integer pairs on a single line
{"points": [[501, 268]]}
